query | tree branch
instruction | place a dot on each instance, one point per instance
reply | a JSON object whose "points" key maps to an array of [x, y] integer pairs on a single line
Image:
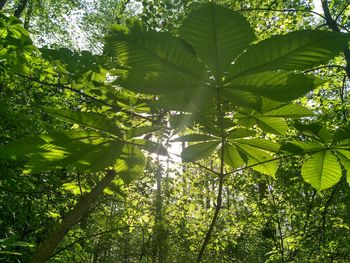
{"points": [[67, 87], [47, 248], [332, 24]]}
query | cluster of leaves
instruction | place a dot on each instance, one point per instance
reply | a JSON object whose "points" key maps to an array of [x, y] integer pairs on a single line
{"points": [[234, 94]]}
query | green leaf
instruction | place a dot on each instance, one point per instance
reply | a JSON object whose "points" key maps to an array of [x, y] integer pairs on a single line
{"points": [[315, 130], [297, 50], [259, 160], [139, 131], [199, 151], [289, 111], [82, 156], [33, 144], [280, 86], [241, 133], [232, 156], [156, 62], [341, 134], [89, 119], [218, 35], [195, 138], [272, 124], [259, 143], [152, 147], [321, 170], [241, 98], [308, 145], [130, 163]]}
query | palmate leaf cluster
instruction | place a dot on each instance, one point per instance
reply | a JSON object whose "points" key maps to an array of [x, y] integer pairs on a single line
{"points": [[233, 88]]}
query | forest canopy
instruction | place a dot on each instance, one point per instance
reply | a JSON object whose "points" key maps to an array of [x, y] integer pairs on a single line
{"points": [[174, 131]]}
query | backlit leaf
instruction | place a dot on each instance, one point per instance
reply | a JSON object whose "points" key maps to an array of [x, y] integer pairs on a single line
{"points": [[321, 170]]}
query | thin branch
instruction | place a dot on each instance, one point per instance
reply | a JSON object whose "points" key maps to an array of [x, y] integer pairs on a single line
{"points": [[20, 8], [196, 163], [256, 164], [341, 11], [88, 237], [280, 10], [320, 26]]}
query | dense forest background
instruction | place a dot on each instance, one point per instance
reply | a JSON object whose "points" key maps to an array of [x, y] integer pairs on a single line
{"points": [[180, 195]]}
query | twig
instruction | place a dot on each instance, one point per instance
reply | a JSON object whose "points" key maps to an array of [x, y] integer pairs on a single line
{"points": [[341, 11], [280, 10]]}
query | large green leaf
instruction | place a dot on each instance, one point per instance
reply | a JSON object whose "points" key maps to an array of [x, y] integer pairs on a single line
{"points": [[37, 143], [280, 86], [259, 143], [259, 160], [89, 119], [315, 130], [218, 35], [272, 124], [155, 62], [232, 156], [308, 146], [142, 130], [188, 100], [130, 163], [343, 133], [241, 133], [242, 98], [82, 156], [199, 151], [321, 170], [275, 125], [195, 138], [152, 147], [297, 50], [289, 111]]}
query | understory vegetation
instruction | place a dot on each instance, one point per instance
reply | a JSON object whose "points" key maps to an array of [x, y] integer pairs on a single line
{"points": [[174, 131]]}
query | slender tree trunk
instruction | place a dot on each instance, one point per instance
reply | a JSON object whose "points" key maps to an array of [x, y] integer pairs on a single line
{"points": [[80, 209], [158, 246], [2, 4], [28, 15], [20, 8], [213, 221]]}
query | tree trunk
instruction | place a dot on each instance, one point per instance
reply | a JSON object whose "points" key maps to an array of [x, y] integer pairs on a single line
{"points": [[80, 209], [20, 8], [2, 4], [28, 15]]}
